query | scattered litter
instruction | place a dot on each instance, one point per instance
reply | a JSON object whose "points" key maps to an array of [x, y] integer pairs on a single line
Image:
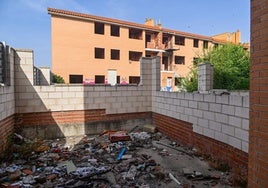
{"points": [[174, 179], [137, 158]]}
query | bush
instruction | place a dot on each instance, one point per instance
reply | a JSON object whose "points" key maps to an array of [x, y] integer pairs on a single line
{"points": [[57, 79], [231, 68]]}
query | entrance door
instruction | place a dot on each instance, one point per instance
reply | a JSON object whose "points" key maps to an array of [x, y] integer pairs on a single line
{"points": [[112, 77], [169, 84]]}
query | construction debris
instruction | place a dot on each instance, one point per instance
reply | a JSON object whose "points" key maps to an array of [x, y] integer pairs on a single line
{"points": [[112, 159]]}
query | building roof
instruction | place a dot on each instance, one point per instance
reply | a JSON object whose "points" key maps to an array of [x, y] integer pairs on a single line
{"points": [[71, 14]]}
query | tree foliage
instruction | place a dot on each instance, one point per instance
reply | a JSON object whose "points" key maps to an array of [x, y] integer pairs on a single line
{"points": [[58, 79], [231, 68]]}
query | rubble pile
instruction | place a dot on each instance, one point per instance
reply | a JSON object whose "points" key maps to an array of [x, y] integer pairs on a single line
{"points": [[111, 159]]}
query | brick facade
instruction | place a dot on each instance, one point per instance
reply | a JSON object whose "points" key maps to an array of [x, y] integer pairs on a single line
{"points": [[258, 152], [183, 132], [76, 122], [6, 129]]}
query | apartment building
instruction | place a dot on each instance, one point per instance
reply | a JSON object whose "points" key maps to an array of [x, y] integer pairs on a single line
{"points": [[91, 49]]}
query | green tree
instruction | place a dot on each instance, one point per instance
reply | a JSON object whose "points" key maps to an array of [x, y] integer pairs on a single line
{"points": [[58, 79], [231, 68]]}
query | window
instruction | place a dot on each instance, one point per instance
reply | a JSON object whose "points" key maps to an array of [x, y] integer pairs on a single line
{"points": [[99, 53], [118, 79], [99, 79], [75, 79], [196, 43], [135, 34], [178, 81], [216, 45], [195, 60], [205, 44], [4, 64], [115, 54], [134, 79], [179, 40], [115, 30], [180, 60], [134, 56], [99, 28]]}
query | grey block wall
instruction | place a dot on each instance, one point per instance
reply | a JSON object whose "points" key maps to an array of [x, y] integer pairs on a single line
{"points": [[7, 94], [224, 118]]}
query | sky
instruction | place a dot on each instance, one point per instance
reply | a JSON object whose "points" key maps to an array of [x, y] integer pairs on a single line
{"points": [[26, 23]]}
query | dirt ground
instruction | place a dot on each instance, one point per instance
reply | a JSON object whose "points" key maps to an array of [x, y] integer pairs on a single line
{"points": [[146, 160]]}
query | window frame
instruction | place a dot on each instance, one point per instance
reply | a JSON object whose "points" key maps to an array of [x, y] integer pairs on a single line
{"points": [[101, 56], [115, 56], [96, 28], [180, 59]]}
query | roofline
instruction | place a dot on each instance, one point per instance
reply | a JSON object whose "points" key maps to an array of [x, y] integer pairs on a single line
{"points": [[71, 14]]}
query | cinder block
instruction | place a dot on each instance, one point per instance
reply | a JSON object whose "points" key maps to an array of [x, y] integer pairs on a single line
{"points": [[246, 101], [245, 146], [209, 115], [180, 109], [228, 129], [197, 129], [224, 99], [203, 105], [184, 117], [198, 97], [76, 101], [79, 94], [198, 113], [215, 126], [193, 104], [188, 111], [23, 96], [227, 109], [189, 96], [209, 133], [242, 112], [214, 107], [62, 101], [68, 94], [235, 142], [241, 134], [235, 121], [222, 118], [193, 119], [221, 137], [76, 88], [235, 100], [210, 98], [203, 122], [245, 124], [55, 95], [48, 88]]}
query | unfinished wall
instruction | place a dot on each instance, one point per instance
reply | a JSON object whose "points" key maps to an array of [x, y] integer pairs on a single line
{"points": [[55, 105], [223, 118], [7, 107], [258, 152]]}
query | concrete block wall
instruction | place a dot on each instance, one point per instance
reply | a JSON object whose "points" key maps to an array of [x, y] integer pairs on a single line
{"points": [[224, 118], [114, 99], [7, 106]]}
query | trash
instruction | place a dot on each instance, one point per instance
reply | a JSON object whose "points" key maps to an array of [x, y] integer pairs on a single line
{"points": [[122, 152], [149, 128], [126, 157], [119, 136], [69, 166], [174, 179], [140, 136], [112, 159], [130, 175]]}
